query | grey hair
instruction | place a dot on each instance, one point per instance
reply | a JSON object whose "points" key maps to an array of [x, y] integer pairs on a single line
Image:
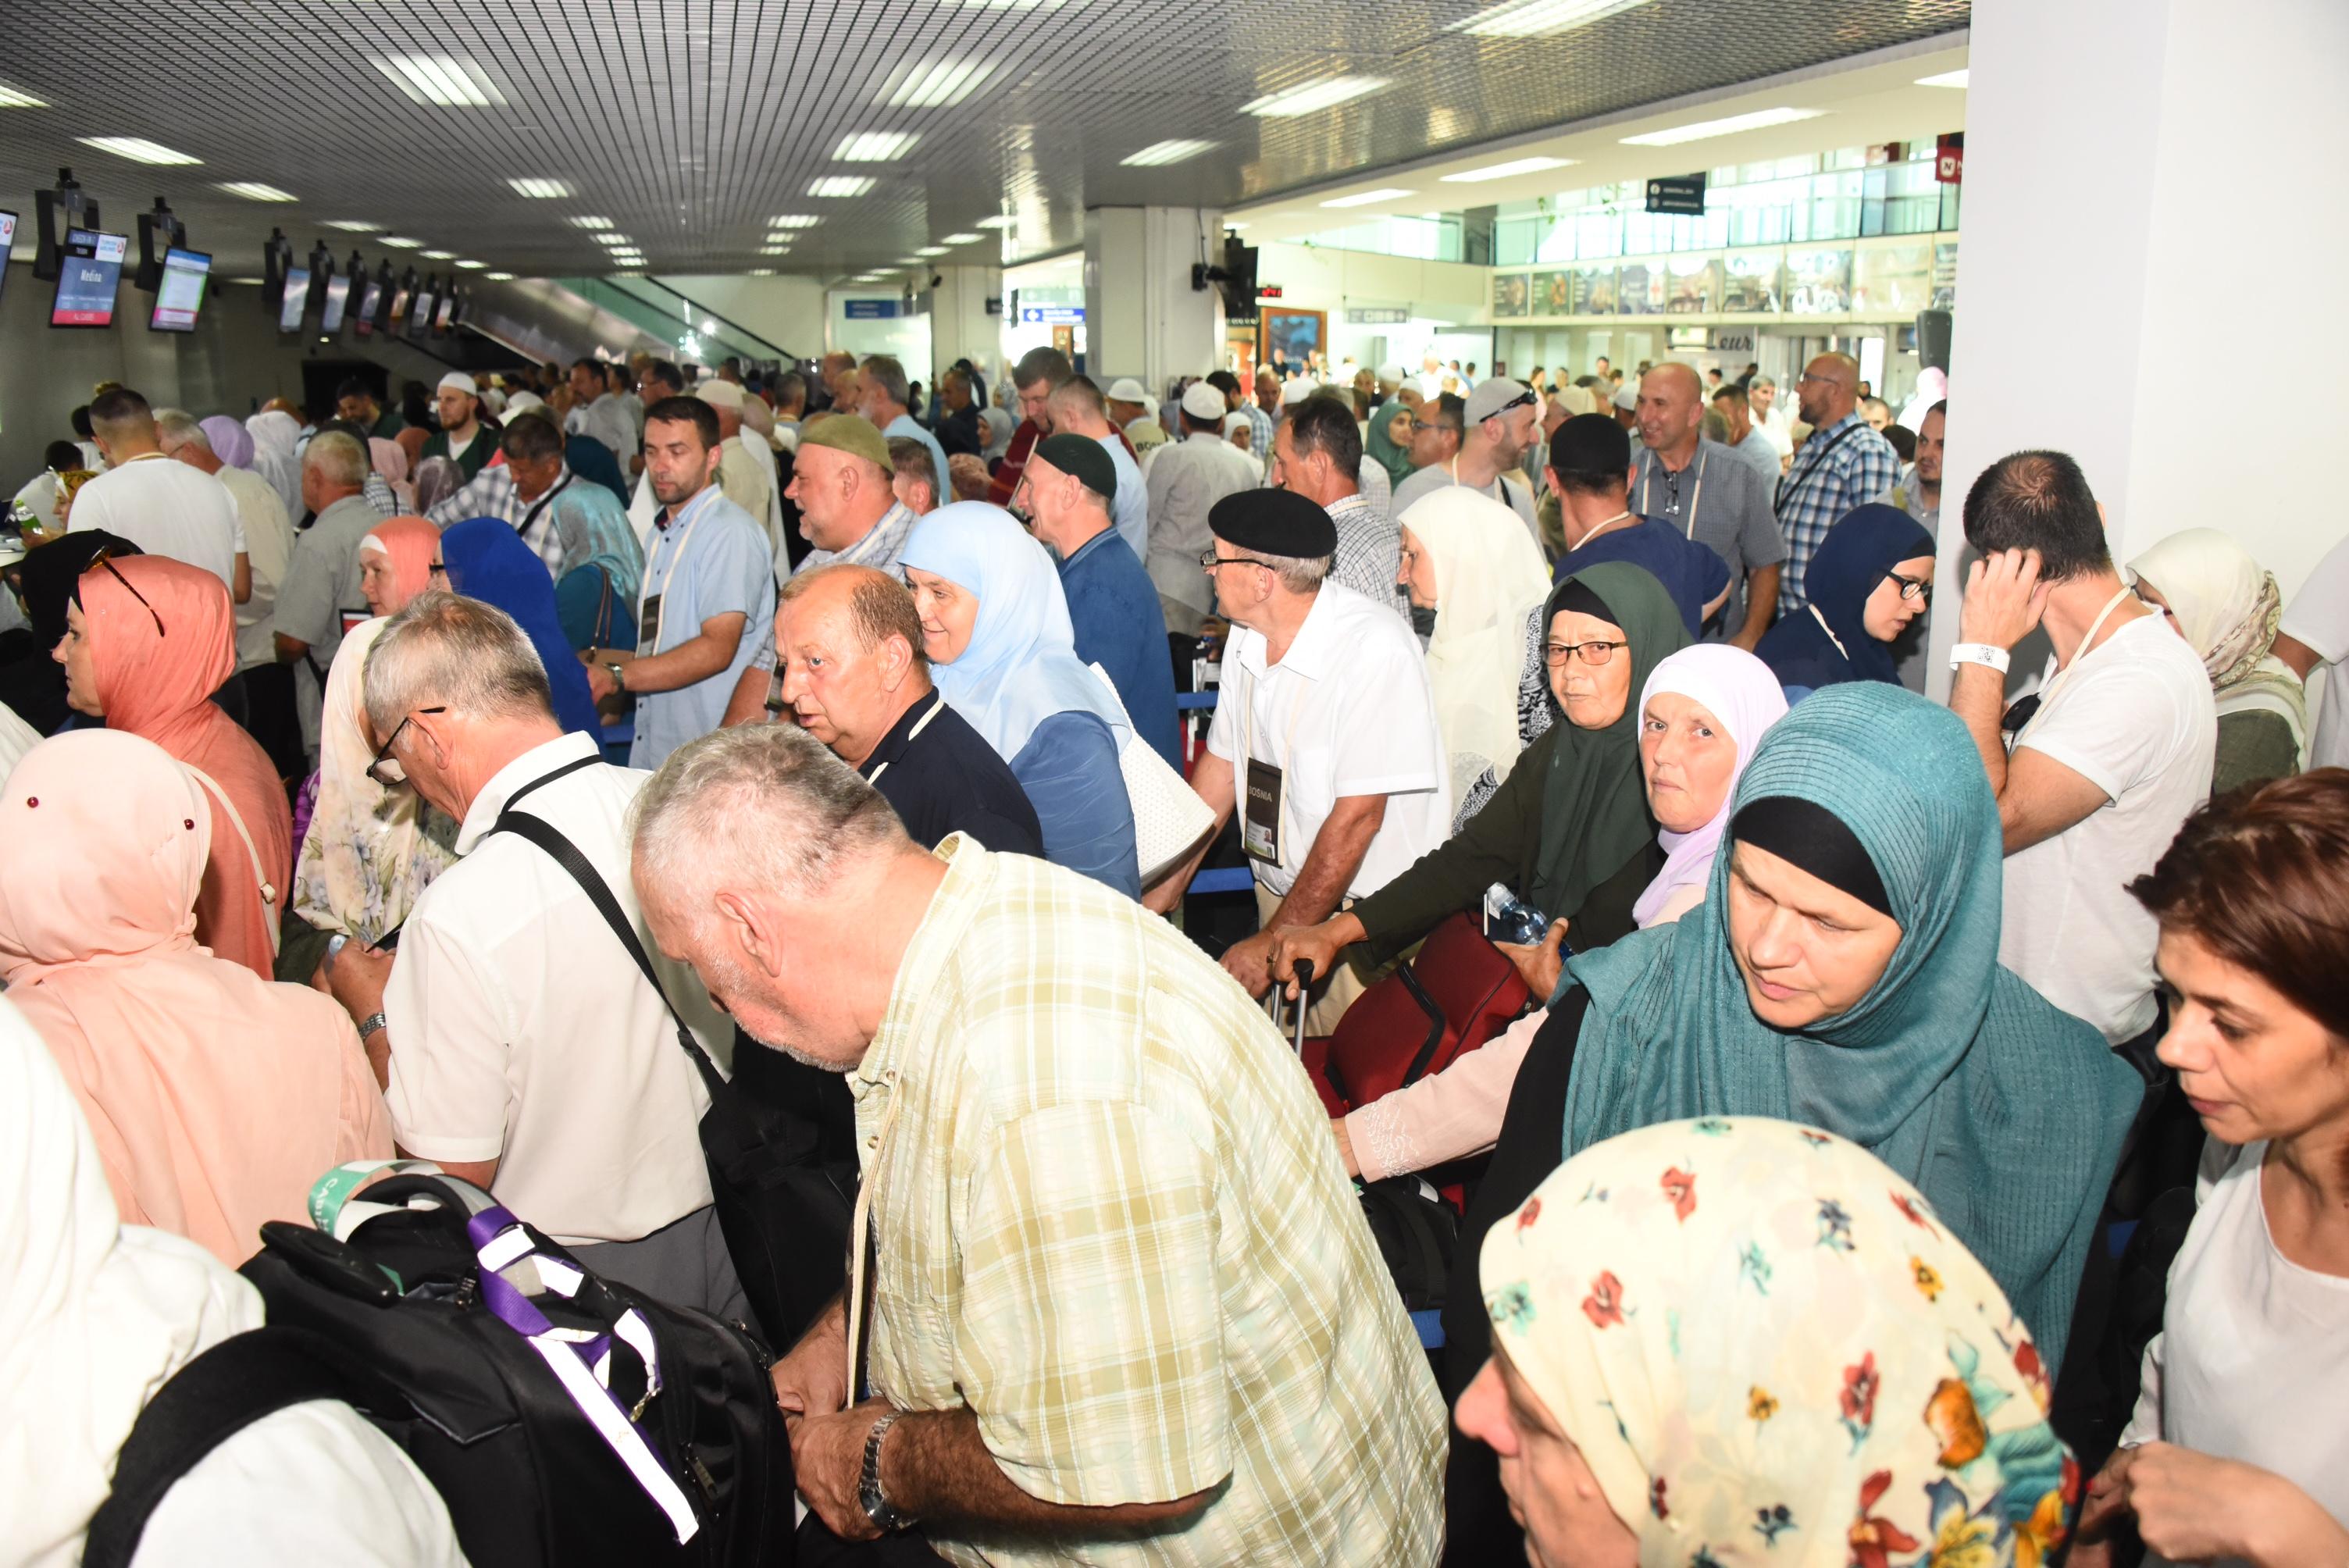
{"points": [[1762, 381], [1299, 573], [768, 804], [454, 652], [886, 373], [181, 427], [338, 457]]}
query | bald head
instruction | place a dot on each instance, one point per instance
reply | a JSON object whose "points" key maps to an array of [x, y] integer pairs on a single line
{"points": [[1828, 390], [1670, 412], [849, 644]]}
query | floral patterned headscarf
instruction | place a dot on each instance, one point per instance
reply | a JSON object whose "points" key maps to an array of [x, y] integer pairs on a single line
{"points": [[1770, 1350]]}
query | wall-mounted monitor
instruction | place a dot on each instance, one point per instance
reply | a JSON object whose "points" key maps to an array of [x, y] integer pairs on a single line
{"points": [[399, 310], [448, 313], [7, 244], [90, 265], [180, 292], [420, 316], [369, 304], [338, 297], [296, 300]]}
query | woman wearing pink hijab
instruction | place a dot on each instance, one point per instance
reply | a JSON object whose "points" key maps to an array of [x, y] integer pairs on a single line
{"points": [[215, 1098]]}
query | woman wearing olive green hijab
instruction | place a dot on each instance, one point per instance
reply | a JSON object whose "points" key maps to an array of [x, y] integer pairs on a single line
{"points": [[1378, 440]]}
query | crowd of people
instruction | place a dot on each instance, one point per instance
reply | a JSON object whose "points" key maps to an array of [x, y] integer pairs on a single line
{"points": [[353, 752]]}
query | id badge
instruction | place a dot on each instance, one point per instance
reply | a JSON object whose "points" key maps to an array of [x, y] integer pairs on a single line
{"points": [[352, 620], [648, 624], [1261, 817]]}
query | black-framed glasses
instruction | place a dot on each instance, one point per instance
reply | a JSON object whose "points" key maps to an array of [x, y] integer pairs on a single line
{"points": [[1594, 653], [1209, 561], [104, 557], [1915, 590], [386, 768]]}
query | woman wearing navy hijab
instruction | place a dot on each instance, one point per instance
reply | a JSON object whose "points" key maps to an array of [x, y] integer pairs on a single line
{"points": [[485, 559], [1870, 577]]}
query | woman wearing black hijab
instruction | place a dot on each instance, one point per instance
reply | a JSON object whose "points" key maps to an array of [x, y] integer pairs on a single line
{"points": [[31, 682]]}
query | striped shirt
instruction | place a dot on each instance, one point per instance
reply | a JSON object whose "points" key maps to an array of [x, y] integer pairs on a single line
{"points": [[1110, 1218]]}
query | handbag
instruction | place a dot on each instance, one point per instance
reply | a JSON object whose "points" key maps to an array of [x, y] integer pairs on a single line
{"points": [[1169, 818]]}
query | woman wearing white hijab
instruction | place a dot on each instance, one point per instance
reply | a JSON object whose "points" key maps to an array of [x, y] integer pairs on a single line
{"points": [[95, 1316], [2226, 606], [274, 432]]}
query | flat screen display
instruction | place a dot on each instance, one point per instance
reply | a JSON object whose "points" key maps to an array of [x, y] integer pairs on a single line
{"points": [[448, 313], [398, 308], [368, 305], [296, 299], [87, 274], [7, 244], [338, 296], [421, 317], [180, 295]]}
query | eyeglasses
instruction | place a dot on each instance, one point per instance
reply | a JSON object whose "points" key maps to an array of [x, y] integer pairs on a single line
{"points": [[1915, 590], [104, 557], [386, 768], [1424, 425], [1209, 561], [1593, 654]]}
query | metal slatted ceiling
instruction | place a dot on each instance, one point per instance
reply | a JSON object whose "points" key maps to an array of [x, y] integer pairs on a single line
{"points": [[688, 124]]}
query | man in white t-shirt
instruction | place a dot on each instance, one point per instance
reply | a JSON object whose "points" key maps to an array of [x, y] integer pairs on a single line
{"points": [[2114, 756], [519, 1045], [1325, 739], [162, 507], [2316, 632]]}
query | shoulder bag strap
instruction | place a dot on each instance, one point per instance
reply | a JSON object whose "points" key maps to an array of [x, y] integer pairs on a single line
{"points": [[253, 851], [566, 854], [239, 1381], [1811, 465]]}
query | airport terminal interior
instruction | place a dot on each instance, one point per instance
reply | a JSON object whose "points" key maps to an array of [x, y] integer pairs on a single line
{"points": [[864, 782]]}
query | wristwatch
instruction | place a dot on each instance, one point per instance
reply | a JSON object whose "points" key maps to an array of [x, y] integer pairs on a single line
{"points": [[884, 1518], [618, 671], [371, 1023]]}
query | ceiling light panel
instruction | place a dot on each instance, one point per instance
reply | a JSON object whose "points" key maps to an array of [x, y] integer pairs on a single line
{"points": [[875, 146], [1313, 97], [588, 221], [253, 191], [1370, 198], [794, 221], [353, 225], [841, 185], [12, 98], [1956, 79], [1000, 220], [1160, 153], [499, 278], [961, 238], [450, 80], [439, 255], [1759, 119], [935, 83], [540, 190], [1506, 170], [400, 242], [136, 149], [931, 251], [1539, 19], [472, 266]]}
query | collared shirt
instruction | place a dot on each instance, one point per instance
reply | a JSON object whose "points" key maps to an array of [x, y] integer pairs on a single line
{"points": [[1718, 501], [708, 559], [910, 428], [1108, 1221], [381, 496], [1369, 552], [1114, 612], [1763, 453], [322, 579], [1840, 467], [493, 493], [883, 543], [525, 1036], [269, 550], [941, 777], [1371, 483], [1186, 481], [1347, 711]]}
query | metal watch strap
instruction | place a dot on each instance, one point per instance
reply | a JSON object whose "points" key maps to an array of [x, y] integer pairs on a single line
{"points": [[371, 1023], [618, 671], [885, 1519]]}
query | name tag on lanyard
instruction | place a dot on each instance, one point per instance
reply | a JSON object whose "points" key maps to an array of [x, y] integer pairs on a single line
{"points": [[1260, 815]]}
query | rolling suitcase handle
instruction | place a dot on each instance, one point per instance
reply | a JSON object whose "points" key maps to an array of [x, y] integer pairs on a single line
{"points": [[1304, 986]]}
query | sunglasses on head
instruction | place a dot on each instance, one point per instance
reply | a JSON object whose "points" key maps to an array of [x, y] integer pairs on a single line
{"points": [[104, 557]]}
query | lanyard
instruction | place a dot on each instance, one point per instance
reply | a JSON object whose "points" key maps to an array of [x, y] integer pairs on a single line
{"points": [[545, 779], [860, 1223], [1287, 755], [911, 735], [1696, 496], [1594, 532], [542, 503], [1500, 486], [2047, 693], [660, 617]]}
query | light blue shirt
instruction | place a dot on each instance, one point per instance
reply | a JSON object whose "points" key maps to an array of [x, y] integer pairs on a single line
{"points": [[1129, 511], [707, 561], [907, 425]]}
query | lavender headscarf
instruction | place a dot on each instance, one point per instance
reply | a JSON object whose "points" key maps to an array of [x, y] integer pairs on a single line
{"points": [[232, 442], [1740, 692]]}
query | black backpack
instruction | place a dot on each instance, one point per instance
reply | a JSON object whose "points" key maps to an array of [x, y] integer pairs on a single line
{"points": [[403, 1323], [1417, 1232]]}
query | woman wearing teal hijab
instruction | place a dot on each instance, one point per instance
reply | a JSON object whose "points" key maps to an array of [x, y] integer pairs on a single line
{"points": [[1843, 972], [1380, 442]]}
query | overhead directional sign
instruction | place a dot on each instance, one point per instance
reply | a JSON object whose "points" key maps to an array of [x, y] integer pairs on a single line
{"points": [[1051, 314], [1680, 194]]}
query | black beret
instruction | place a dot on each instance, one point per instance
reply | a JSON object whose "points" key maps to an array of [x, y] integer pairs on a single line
{"points": [[1591, 444], [1086, 459], [1274, 522]]}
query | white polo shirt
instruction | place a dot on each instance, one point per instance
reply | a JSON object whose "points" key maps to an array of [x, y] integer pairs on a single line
{"points": [[1347, 711], [165, 508], [521, 1032]]}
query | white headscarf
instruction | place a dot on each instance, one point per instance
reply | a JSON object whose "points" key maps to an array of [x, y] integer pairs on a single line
{"points": [[1488, 576], [1745, 699], [93, 1316], [2228, 608], [273, 433]]}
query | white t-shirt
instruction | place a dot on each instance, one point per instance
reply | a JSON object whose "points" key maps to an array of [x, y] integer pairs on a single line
{"points": [[522, 1032], [2134, 718], [1347, 711], [165, 508], [2319, 617], [2252, 1362], [269, 549]]}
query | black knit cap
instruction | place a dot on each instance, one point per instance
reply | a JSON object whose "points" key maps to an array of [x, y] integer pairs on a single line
{"points": [[1274, 522], [1085, 458], [1591, 444]]}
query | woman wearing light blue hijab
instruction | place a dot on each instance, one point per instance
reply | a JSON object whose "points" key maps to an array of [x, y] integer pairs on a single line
{"points": [[996, 629]]}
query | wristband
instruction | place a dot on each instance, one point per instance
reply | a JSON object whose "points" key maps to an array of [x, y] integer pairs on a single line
{"points": [[1989, 653]]}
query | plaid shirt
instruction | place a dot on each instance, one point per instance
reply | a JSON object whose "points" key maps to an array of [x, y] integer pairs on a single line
{"points": [[1369, 552], [491, 493], [1109, 1219], [1822, 486], [1260, 434]]}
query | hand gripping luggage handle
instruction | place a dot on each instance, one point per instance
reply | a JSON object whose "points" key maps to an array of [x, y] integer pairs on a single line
{"points": [[1304, 1003]]}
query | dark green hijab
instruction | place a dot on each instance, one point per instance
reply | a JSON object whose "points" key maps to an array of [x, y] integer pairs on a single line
{"points": [[1594, 802], [2006, 1113], [1395, 460]]}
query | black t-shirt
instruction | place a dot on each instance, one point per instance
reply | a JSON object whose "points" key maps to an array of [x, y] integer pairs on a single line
{"points": [[941, 777]]}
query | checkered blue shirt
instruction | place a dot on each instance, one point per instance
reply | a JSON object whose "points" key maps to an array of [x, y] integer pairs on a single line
{"points": [[1839, 468], [1260, 434]]}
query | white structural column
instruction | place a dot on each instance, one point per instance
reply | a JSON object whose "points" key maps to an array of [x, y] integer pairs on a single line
{"points": [[1142, 318], [2143, 177], [960, 326]]}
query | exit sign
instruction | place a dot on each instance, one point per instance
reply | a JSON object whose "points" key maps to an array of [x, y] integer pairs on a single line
{"points": [[1269, 290]]}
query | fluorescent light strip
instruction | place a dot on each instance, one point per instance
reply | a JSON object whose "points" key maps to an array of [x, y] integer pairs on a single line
{"points": [[794, 221], [1956, 79], [1000, 220], [1503, 171], [774, 250], [398, 242], [136, 149], [450, 80], [1370, 198], [1539, 18], [841, 185], [763, 271], [589, 221], [540, 190], [253, 191], [11, 99], [608, 237], [439, 255], [1160, 153], [353, 225], [931, 251], [962, 238], [1760, 118], [472, 266], [934, 84], [875, 146], [500, 277], [1312, 98]]}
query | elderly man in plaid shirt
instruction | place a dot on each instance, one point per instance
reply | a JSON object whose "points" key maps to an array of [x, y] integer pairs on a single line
{"points": [[1843, 464], [1123, 1307]]}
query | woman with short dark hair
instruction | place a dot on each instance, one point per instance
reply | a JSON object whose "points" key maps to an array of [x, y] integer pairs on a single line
{"points": [[2239, 1448]]}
